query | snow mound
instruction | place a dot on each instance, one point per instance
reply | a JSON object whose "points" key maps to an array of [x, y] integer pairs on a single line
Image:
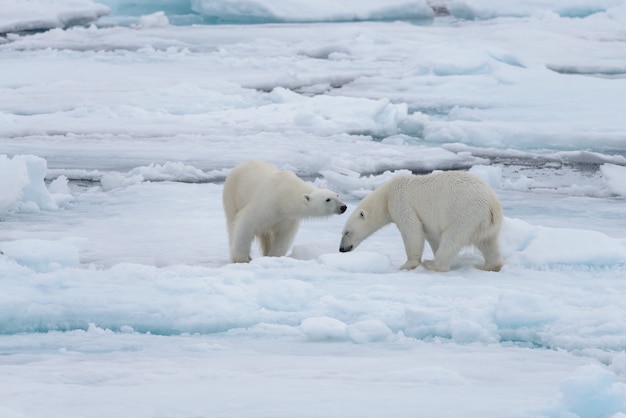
{"points": [[554, 246], [331, 329], [22, 186], [284, 295], [324, 329], [33, 15], [492, 175], [351, 182], [592, 392], [489, 9], [45, 256], [615, 178], [544, 247], [154, 20], [357, 262], [258, 11], [368, 331], [169, 171]]}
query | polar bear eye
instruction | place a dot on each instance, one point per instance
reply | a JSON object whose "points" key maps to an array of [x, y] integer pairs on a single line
{"points": [[345, 234], [328, 200]]}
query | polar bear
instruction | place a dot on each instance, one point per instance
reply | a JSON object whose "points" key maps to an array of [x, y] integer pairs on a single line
{"points": [[264, 202], [450, 210]]}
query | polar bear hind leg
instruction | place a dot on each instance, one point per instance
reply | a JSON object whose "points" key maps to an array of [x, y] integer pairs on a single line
{"points": [[242, 238], [266, 240], [491, 252], [450, 245], [434, 243], [282, 235]]}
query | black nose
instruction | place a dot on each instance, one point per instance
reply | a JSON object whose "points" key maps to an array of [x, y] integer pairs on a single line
{"points": [[342, 209], [345, 249]]}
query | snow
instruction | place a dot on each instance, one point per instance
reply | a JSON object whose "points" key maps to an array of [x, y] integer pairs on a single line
{"points": [[362, 262], [117, 134], [615, 177], [593, 392], [36, 15], [22, 186], [303, 11]]}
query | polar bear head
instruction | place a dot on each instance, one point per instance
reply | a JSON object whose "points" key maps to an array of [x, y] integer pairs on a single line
{"points": [[369, 216], [323, 202], [355, 231]]}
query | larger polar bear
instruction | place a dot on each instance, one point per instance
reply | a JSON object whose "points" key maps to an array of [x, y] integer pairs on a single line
{"points": [[450, 210], [264, 202]]}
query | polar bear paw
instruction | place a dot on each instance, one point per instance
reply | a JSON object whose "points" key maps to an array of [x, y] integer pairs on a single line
{"points": [[410, 265], [241, 259], [485, 267], [432, 265]]}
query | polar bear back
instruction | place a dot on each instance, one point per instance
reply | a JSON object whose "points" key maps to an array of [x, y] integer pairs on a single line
{"points": [[252, 180], [447, 198]]}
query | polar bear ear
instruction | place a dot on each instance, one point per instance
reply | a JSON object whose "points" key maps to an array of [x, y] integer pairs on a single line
{"points": [[306, 198]]}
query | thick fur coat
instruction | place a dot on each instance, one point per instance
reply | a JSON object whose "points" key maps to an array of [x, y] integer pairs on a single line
{"points": [[263, 202], [450, 210]]}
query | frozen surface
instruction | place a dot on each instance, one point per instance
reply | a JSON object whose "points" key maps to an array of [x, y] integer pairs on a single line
{"points": [[306, 11], [37, 15], [115, 139]]}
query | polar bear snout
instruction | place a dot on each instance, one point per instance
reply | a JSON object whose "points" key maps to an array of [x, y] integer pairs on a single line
{"points": [[341, 209], [345, 249], [346, 244]]}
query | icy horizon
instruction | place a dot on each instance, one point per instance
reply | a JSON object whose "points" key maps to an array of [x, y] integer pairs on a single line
{"points": [[19, 15]]}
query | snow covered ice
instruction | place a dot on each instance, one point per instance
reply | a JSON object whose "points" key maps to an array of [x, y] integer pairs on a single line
{"points": [[120, 120]]}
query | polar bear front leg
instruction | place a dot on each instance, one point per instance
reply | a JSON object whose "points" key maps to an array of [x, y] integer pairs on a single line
{"points": [[412, 233]]}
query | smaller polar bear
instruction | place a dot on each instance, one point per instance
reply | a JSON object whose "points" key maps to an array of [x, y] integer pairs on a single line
{"points": [[263, 202], [450, 210]]}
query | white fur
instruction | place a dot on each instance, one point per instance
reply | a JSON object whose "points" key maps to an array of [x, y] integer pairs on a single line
{"points": [[450, 210], [263, 202]]}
